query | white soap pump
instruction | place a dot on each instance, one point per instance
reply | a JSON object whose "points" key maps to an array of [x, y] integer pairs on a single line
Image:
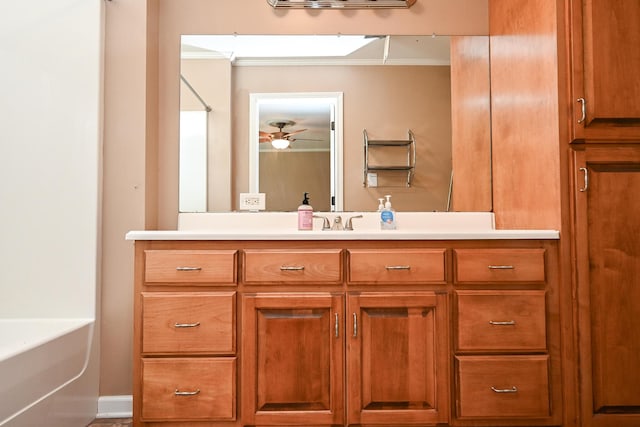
{"points": [[380, 205]]}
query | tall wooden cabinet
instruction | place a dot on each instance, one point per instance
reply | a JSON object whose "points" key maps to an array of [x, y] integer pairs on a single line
{"points": [[605, 179], [605, 61], [608, 273]]}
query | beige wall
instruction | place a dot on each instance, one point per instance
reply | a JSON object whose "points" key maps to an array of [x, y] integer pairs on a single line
{"points": [[141, 123], [305, 172]]}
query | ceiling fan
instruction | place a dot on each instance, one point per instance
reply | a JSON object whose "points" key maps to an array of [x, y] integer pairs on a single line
{"points": [[279, 139]]}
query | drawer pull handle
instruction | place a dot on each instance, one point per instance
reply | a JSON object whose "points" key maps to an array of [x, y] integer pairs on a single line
{"points": [[291, 267], [501, 267], [337, 326], [398, 267], [186, 325], [503, 323], [513, 389], [186, 393], [188, 268]]}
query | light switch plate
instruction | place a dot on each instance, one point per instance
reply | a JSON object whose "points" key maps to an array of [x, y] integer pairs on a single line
{"points": [[372, 179], [252, 201]]}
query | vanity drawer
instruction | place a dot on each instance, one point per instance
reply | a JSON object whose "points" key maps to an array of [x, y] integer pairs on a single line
{"points": [[499, 265], [500, 321], [396, 266], [194, 322], [190, 266], [189, 389], [502, 386], [275, 266]]}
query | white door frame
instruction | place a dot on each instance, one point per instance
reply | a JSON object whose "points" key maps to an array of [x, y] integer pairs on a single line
{"points": [[335, 99]]}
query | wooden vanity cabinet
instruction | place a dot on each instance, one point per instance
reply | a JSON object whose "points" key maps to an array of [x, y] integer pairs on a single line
{"points": [[502, 339], [293, 364], [296, 340], [605, 36], [185, 356], [397, 358], [331, 333]]}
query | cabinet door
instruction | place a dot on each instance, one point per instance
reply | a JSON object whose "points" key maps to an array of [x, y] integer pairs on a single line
{"points": [[397, 358], [605, 38], [292, 359], [608, 256]]}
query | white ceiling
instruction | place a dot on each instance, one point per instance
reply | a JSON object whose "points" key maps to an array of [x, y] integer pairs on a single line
{"points": [[391, 50]]}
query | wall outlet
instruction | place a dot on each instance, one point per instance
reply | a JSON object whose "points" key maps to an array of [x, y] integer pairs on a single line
{"points": [[372, 179], [252, 201]]}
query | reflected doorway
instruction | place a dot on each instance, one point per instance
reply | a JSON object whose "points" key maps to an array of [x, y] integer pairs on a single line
{"points": [[296, 147]]}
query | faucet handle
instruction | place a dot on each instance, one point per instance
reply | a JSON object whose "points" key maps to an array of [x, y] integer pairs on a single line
{"points": [[337, 223], [325, 224], [349, 225]]}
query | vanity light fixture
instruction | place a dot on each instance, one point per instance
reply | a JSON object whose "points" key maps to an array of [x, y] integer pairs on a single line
{"points": [[280, 144], [342, 4]]}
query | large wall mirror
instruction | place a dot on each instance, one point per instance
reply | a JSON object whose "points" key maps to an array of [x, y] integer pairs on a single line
{"points": [[256, 93]]}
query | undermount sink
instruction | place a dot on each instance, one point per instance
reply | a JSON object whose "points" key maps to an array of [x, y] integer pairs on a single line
{"points": [[286, 222]]}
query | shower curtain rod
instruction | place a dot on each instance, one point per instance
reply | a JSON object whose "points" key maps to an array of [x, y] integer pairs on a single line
{"points": [[204, 104]]}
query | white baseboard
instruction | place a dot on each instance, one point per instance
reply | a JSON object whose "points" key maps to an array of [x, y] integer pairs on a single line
{"points": [[115, 406]]}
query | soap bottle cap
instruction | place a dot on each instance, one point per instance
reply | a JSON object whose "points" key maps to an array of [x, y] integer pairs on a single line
{"points": [[305, 201], [388, 202], [380, 204]]}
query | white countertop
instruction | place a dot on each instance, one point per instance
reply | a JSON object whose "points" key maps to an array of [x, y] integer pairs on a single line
{"points": [[283, 226]]}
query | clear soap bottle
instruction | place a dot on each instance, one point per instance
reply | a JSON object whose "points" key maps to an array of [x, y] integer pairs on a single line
{"points": [[388, 216]]}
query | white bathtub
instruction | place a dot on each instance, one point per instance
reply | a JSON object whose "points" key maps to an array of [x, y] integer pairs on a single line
{"points": [[40, 358]]}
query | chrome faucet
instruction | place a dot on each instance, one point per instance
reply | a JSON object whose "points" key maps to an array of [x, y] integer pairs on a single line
{"points": [[325, 223], [337, 223], [348, 225]]}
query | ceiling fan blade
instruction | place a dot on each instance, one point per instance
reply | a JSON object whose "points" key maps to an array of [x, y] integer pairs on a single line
{"points": [[307, 139], [264, 136], [288, 134]]}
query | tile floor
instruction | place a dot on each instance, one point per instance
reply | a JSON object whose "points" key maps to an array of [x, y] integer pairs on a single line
{"points": [[111, 422]]}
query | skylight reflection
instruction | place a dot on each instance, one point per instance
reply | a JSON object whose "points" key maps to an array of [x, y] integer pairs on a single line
{"points": [[278, 46]]}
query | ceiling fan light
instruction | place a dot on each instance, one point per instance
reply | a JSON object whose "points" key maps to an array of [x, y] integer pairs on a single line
{"points": [[280, 144]]}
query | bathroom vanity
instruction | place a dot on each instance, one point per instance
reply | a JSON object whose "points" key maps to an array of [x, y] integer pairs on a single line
{"points": [[427, 324]]}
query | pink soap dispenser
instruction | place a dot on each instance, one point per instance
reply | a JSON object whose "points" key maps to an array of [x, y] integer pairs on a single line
{"points": [[305, 215]]}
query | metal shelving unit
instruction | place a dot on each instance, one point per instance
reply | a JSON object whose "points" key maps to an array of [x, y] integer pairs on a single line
{"points": [[408, 144]]}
